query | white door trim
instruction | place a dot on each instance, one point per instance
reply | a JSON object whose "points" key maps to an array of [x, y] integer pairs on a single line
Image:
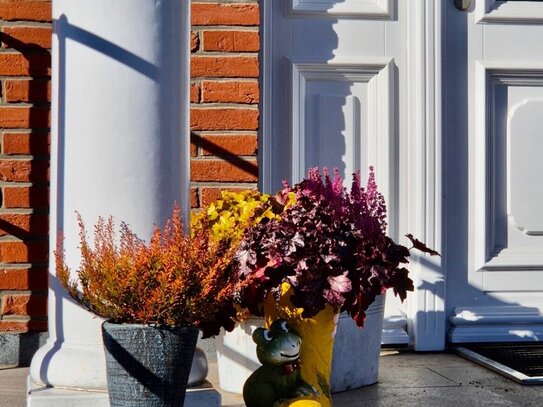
{"points": [[422, 182], [266, 87]]}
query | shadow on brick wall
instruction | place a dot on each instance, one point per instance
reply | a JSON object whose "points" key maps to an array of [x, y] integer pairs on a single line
{"points": [[18, 348], [224, 154]]}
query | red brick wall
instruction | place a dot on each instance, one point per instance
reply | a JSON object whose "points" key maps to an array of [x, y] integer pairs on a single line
{"points": [[25, 29], [224, 96], [224, 123]]}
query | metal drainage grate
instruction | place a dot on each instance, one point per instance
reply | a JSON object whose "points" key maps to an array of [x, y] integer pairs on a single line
{"points": [[522, 362]]}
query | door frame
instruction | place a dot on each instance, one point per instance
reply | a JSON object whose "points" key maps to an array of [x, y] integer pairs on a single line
{"points": [[423, 185], [421, 206]]}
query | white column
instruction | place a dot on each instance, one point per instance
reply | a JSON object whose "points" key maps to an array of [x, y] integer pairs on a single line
{"points": [[120, 134]]}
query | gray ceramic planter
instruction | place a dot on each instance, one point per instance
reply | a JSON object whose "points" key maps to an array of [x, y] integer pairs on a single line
{"points": [[148, 366]]}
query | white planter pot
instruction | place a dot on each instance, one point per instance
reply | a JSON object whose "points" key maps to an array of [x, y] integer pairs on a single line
{"points": [[355, 361], [236, 355], [356, 351]]}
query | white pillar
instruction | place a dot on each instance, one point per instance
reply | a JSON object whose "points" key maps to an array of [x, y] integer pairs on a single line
{"points": [[120, 146]]}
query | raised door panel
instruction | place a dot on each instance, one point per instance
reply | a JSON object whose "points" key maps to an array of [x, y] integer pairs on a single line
{"points": [[343, 8], [508, 235], [341, 117]]}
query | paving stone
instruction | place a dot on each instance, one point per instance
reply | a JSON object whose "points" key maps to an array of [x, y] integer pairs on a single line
{"points": [[472, 375], [395, 359], [410, 377], [381, 396], [12, 386]]}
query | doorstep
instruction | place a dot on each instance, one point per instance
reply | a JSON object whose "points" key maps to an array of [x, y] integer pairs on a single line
{"points": [[40, 396]]}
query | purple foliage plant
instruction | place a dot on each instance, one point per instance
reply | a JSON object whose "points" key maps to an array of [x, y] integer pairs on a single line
{"points": [[330, 246]]}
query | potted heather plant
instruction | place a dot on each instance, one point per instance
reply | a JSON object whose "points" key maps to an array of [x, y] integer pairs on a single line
{"points": [[154, 297], [328, 252]]}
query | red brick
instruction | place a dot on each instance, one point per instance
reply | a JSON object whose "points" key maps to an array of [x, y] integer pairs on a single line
{"points": [[230, 92], [26, 143], [231, 41], [32, 37], [22, 326], [194, 92], [23, 252], [23, 117], [225, 14], [194, 198], [26, 197], [38, 90], [224, 66], [223, 119], [23, 225], [35, 64], [24, 304], [194, 41], [210, 195], [193, 145], [229, 144], [23, 279], [23, 171], [31, 10], [223, 171]]}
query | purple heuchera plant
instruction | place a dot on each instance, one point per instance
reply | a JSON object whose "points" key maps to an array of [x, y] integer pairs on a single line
{"points": [[331, 246]]}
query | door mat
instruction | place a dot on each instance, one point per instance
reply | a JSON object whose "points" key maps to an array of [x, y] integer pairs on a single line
{"points": [[521, 362]]}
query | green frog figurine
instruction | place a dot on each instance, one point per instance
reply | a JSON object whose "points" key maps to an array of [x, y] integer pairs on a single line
{"points": [[279, 378]]}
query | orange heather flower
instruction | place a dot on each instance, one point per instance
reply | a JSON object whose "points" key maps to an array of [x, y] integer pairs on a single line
{"points": [[175, 279]]}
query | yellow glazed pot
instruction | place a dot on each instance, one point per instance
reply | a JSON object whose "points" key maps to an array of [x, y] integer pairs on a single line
{"points": [[317, 335]]}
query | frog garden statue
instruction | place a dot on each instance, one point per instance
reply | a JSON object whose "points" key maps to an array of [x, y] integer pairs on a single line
{"points": [[279, 377]]}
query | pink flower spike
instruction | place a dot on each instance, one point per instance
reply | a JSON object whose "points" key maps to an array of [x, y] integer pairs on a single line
{"points": [[313, 174], [371, 186], [355, 187], [337, 185]]}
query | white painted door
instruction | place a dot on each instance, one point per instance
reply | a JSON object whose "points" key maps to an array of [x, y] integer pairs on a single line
{"points": [[334, 81], [493, 124]]}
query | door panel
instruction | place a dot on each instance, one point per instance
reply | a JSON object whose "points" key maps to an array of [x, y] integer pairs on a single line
{"points": [[341, 116], [508, 236], [496, 126]]}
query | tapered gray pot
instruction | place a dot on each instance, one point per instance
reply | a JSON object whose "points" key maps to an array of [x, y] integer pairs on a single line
{"points": [[147, 366]]}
